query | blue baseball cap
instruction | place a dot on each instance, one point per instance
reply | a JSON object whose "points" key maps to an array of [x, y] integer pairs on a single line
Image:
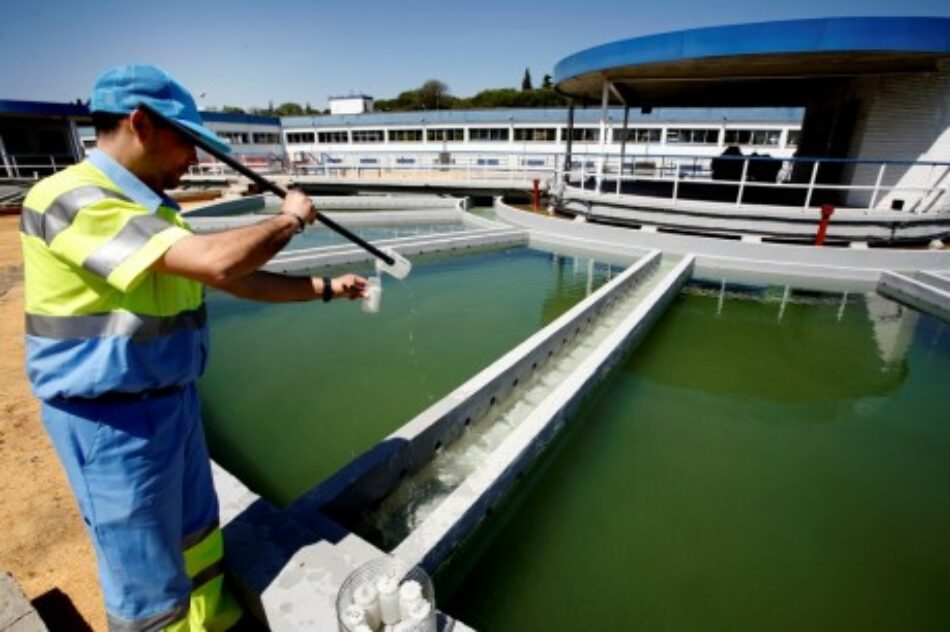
{"points": [[121, 89]]}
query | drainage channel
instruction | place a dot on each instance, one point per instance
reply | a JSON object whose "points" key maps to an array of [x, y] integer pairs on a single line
{"points": [[415, 498], [290, 562]]}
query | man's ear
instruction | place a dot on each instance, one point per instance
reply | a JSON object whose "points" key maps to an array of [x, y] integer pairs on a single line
{"points": [[141, 124]]}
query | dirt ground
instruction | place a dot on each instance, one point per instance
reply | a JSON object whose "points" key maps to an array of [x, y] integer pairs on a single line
{"points": [[43, 541]]}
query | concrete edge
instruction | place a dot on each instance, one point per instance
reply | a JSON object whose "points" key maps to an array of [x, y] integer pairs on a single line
{"points": [[429, 244], [919, 295], [372, 475], [939, 281], [805, 266], [17, 613], [460, 514], [227, 207]]}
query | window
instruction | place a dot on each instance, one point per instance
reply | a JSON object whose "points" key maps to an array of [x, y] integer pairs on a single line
{"points": [[450, 135], [265, 138], [692, 136], [793, 137], [488, 134], [295, 138], [638, 135], [235, 138], [536, 134], [332, 137], [753, 137], [405, 135], [368, 136], [583, 134]]}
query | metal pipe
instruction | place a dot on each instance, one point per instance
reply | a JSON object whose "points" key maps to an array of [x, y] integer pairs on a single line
{"points": [[263, 182], [570, 142], [623, 144]]}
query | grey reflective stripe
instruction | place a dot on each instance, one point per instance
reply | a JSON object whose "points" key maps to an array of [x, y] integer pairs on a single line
{"points": [[61, 213], [138, 326], [31, 222], [153, 623], [196, 537], [202, 577], [135, 234]]}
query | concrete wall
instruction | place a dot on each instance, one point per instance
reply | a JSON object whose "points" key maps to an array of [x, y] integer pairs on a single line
{"points": [[803, 266], [903, 117]]}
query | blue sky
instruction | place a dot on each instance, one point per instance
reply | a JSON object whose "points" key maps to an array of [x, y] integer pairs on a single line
{"points": [[246, 53]]}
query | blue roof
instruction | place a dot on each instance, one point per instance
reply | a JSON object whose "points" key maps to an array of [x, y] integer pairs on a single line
{"points": [[825, 35], [42, 108], [542, 116], [236, 117]]}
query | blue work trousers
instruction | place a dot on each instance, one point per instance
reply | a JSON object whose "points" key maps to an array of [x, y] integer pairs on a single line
{"points": [[141, 474]]}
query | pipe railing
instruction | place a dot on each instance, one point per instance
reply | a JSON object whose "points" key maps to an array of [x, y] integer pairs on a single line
{"points": [[764, 172], [33, 166], [926, 191]]}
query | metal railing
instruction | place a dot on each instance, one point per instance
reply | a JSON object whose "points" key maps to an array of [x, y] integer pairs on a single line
{"points": [[800, 181], [467, 165], [924, 191], [265, 164], [33, 166]]}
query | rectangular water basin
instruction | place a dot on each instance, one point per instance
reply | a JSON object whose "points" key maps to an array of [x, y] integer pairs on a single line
{"points": [[767, 462], [293, 392]]}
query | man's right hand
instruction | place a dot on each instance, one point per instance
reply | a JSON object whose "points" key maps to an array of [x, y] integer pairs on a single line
{"points": [[299, 205]]}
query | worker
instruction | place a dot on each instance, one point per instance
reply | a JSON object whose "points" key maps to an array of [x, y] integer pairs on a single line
{"points": [[116, 336]]}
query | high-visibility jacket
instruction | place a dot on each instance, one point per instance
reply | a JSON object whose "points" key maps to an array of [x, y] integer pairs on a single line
{"points": [[97, 319]]}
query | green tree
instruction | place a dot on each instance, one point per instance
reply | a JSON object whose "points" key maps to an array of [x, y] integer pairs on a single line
{"points": [[232, 109], [526, 81], [546, 83], [289, 109], [432, 93]]}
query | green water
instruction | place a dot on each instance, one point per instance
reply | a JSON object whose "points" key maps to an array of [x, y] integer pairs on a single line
{"points": [[319, 237], [293, 392], [738, 472]]}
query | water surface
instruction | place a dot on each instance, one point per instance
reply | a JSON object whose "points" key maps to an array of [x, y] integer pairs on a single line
{"points": [[747, 468], [293, 392]]}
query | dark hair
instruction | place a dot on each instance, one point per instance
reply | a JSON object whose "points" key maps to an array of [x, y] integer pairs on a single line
{"points": [[106, 122]]}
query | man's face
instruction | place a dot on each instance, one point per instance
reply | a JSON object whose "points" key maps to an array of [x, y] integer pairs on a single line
{"points": [[172, 154]]}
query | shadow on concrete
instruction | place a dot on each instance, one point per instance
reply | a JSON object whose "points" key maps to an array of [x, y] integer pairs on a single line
{"points": [[59, 613], [262, 540]]}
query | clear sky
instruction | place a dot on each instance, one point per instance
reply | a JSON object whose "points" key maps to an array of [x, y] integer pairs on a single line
{"points": [[246, 53]]}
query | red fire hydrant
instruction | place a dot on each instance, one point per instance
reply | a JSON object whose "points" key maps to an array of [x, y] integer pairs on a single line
{"points": [[827, 210]]}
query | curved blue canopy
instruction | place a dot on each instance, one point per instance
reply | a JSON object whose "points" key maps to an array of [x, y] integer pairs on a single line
{"points": [[675, 68]]}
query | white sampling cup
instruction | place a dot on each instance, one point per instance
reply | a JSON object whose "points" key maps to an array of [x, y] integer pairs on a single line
{"points": [[399, 268], [374, 294]]}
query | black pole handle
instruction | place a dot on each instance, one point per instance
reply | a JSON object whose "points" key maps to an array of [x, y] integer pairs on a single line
{"points": [[261, 181]]}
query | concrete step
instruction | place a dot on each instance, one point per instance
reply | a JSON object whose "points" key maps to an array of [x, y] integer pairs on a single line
{"points": [[17, 614]]}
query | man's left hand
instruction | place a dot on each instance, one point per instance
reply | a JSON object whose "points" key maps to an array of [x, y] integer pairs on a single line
{"points": [[351, 286]]}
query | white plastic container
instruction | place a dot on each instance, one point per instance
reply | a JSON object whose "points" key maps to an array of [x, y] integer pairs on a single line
{"points": [[374, 294], [367, 598], [410, 594], [387, 575], [400, 267]]}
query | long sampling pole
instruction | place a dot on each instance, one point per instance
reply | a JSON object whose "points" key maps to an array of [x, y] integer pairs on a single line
{"points": [[263, 182]]}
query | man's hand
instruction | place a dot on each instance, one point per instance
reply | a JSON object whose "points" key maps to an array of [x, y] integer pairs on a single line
{"points": [[351, 286], [299, 205]]}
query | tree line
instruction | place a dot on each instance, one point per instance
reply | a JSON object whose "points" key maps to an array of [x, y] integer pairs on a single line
{"points": [[435, 95]]}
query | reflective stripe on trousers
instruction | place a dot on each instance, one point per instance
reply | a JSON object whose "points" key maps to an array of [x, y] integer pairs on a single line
{"points": [[211, 607]]}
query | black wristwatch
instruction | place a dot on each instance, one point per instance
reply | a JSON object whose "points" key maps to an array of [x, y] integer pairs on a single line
{"points": [[300, 223], [327, 289]]}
